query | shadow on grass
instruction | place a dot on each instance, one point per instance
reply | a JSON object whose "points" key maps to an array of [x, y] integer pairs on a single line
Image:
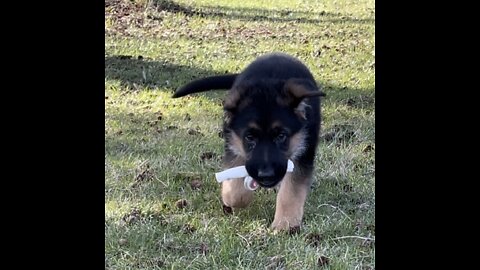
{"points": [[355, 98], [255, 14], [136, 72]]}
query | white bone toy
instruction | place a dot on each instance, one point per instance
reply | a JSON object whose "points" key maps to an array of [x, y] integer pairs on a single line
{"points": [[240, 172]]}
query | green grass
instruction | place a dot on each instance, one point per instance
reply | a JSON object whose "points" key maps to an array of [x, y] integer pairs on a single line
{"points": [[154, 144]]}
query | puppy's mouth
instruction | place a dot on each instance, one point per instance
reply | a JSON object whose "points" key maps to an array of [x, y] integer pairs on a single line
{"points": [[265, 183], [253, 184]]}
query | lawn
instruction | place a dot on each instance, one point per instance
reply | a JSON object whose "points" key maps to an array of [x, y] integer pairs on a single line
{"points": [[162, 204]]}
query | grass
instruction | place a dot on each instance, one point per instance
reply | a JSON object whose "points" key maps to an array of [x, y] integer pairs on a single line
{"points": [[159, 151]]}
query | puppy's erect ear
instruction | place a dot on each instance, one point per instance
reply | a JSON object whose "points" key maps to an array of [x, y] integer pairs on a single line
{"points": [[231, 100], [231, 103], [236, 100], [296, 91]]}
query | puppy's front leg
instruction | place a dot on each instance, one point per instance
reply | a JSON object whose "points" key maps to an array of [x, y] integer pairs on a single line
{"points": [[290, 202], [234, 193]]}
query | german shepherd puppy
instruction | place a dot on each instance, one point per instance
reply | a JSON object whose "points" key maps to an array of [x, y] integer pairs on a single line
{"points": [[272, 114]]}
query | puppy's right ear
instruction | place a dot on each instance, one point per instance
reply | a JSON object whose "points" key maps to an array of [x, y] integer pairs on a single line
{"points": [[231, 101], [230, 106]]}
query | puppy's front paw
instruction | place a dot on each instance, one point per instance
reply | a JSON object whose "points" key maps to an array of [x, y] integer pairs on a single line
{"points": [[287, 223], [235, 195]]}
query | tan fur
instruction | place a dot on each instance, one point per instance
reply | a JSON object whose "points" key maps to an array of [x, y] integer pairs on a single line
{"points": [[234, 193], [253, 125], [297, 145], [276, 124], [236, 145], [234, 100], [293, 91], [300, 110], [297, 90], [290, 201], [231, 99]]}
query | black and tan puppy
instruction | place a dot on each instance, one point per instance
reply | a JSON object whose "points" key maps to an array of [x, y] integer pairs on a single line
{"points": [[272, 114]]}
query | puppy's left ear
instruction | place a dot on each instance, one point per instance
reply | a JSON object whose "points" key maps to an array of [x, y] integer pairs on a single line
{"points": [[296, 90], [299, 89]]}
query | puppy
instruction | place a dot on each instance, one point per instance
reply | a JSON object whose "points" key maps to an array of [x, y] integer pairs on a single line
{"points": [[272, 114]]}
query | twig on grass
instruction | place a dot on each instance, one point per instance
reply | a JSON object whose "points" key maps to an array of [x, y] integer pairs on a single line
{"points": [[336, 208]]}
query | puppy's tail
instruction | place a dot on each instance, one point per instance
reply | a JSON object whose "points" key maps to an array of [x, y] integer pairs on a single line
{"points": [[209, 83]]}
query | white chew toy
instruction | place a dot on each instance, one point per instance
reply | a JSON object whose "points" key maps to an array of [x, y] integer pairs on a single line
{"points": [[240, 172]]}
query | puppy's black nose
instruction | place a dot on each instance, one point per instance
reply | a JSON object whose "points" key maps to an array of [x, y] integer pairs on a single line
{"points": [[266, 172]]}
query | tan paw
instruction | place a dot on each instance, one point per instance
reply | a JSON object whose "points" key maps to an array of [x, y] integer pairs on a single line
{"points": [[235, 195], [286, 223]]}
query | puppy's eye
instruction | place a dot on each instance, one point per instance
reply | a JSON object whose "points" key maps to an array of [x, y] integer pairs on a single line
{"points": [[281, 137], [249, 138]]}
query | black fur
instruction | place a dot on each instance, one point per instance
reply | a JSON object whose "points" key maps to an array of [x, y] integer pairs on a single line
{"points": [[205, 84]]}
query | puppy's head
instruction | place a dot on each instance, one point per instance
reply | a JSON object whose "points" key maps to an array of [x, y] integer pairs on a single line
{"points": [[265, 123]]}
